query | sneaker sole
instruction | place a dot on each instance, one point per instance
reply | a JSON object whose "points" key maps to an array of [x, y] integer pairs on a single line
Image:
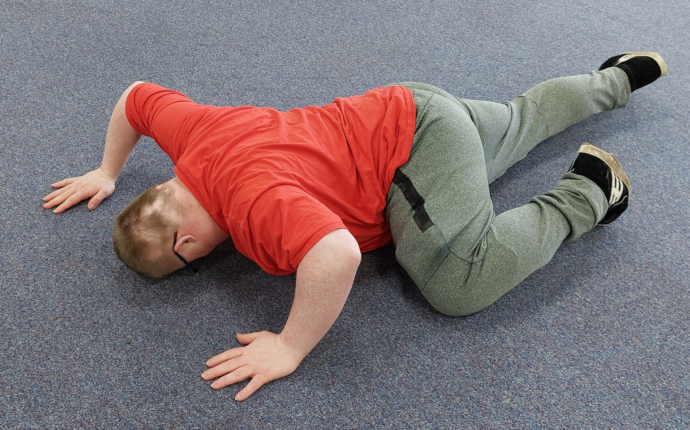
{"points": [[653, 55], [609, 159]]}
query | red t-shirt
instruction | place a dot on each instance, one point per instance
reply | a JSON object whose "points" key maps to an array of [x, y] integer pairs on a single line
{"points": [[280, 181]]}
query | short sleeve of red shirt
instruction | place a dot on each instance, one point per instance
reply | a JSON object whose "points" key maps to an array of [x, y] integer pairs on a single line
{"points": [[285, 223], [161, 114]]}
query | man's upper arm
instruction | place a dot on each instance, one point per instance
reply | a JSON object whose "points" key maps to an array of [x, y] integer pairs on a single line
{"points": [[158, 112]]}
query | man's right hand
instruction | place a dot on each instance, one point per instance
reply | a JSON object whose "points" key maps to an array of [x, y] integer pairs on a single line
{"points": [[119, 143], [95, 184]]}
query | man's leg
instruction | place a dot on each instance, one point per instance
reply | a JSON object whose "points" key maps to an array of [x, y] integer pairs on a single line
{"points": [[447, 238], [543, 111], [510, 130]]}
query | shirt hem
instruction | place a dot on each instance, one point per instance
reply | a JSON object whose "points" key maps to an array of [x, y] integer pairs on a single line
{"points": [[315, 238]]}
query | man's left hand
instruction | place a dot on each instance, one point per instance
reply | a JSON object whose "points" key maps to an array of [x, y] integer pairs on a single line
{"points": [[265, 358], [324, 279]]}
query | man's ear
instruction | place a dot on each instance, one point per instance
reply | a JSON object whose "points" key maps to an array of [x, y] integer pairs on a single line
{"points": [[181, 240]]}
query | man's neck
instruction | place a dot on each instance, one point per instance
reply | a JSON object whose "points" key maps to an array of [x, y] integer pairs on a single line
{"points": [[196, 218]]}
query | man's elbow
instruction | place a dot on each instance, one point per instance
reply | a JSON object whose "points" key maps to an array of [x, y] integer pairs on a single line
{"points": [[349, 249], [351, 259], [337, 248], [356, 256]]}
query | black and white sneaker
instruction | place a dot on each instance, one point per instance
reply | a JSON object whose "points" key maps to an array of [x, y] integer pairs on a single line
{"points": [[605, 171], [642, 68]]}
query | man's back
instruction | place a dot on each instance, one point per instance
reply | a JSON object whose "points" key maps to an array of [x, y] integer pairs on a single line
{"points": [[279, 181]]}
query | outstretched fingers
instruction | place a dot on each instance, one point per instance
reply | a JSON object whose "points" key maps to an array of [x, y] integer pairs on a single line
{"points": [[65, 193], [60, 190], [96, 185], [60, 184], [97, 199], [223, 369], [71, 201], [233, 377], [265, 358], [253, 385], [232, 372], [221, 358], [57, 197]]}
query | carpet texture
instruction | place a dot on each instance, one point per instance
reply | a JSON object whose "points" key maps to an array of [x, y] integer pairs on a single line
{"points": [[596, 339]]}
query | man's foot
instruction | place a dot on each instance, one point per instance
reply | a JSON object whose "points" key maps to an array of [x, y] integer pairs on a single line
{"points": [[605, 171], [642, 68]]}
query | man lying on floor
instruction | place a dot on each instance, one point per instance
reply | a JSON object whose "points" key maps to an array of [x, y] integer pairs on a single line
{"points": [[310, 189]]}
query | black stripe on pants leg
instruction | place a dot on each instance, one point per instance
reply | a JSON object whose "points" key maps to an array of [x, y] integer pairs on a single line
{"points": [[414, 199]]}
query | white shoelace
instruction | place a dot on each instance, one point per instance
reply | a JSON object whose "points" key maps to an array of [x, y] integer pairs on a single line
{"points": [[624, 59], [616, 190]]}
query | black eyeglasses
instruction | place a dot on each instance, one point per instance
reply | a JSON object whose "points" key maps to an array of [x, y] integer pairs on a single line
{"points": [[188, 266]]}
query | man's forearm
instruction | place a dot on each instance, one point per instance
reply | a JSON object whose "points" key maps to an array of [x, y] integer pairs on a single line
{"points": [[120, 139], [324, 280]]}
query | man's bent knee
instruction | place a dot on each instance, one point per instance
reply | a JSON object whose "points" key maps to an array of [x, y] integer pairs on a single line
{"points": [[449, 305], [460, 288]]}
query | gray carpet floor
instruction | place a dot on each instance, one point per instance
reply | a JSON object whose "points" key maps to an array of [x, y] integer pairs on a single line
{"points": [[596, 339]]}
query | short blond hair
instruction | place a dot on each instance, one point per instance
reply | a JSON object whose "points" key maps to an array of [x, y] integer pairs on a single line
{"points": [[143, 231]]}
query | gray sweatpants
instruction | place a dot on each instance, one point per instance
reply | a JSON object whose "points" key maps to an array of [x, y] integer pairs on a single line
{"points": [[459, 253]]}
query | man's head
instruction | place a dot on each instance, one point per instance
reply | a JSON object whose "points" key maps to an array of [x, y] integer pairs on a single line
{"points": [[145, 236], [143, 232]]}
